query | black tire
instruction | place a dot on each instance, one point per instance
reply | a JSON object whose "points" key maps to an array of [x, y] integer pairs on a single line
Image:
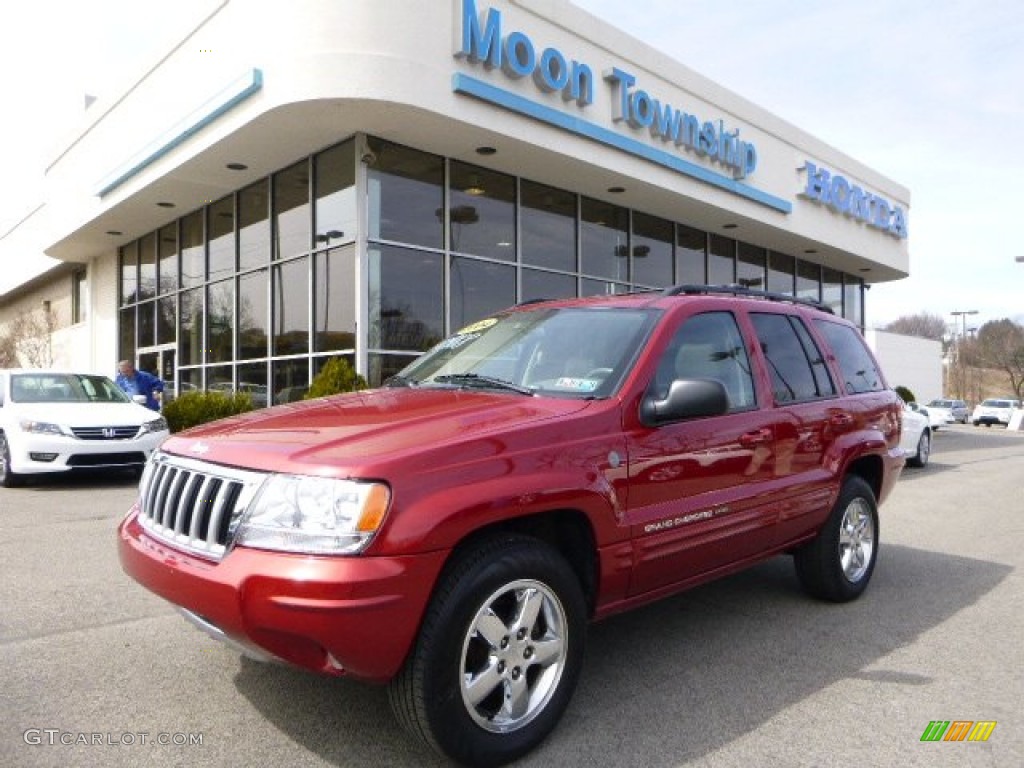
{"points": [[8, 479], [837, 565], [432, 696], [924, 449]]}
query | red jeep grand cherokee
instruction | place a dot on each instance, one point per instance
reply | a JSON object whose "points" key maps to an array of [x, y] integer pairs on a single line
{"points": [[454, 531]]}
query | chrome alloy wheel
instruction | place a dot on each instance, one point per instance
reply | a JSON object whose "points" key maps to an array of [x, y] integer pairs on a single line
{"points": [[856, 540], [513, 656]]}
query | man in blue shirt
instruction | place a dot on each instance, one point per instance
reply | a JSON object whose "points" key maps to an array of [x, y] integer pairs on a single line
{"points": [[133, 382]]}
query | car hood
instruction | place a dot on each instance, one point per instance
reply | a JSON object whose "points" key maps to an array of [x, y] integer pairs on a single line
{"points": [[338, 435], [85, 414]]}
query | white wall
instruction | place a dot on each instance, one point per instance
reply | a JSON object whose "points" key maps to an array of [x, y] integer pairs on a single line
{"points": [[909, 361]]}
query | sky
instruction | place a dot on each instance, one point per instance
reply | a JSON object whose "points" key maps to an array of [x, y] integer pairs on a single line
{"points": [[927, 92]]}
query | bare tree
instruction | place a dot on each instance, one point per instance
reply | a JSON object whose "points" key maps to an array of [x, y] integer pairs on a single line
{"points": [[922, 325], [28, 340], [1000, 344]]}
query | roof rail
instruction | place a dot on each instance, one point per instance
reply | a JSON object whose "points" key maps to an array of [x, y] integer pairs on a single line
{"points": [[739, 290]]}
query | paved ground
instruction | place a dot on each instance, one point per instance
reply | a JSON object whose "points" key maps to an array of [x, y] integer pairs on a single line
{"points": [[745, 672]]}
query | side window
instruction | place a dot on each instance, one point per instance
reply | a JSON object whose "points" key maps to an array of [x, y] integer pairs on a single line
{"points": [[797, 368], [860, 372], [709, 346]]}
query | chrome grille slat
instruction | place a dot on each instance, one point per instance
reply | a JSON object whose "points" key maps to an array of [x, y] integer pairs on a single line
{"points": [[190, 504]]}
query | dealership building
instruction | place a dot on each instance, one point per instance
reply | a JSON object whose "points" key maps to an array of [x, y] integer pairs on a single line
{"points": [[288, 182]]}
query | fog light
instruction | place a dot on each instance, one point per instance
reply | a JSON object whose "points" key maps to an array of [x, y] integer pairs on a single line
{"points": [[42, 456]]}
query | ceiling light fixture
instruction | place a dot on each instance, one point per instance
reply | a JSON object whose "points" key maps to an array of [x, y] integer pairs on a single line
{"points": [[486, 151], [616, 190], [236, 166]]}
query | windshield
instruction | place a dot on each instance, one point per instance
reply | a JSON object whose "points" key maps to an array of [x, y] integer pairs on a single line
{"points": [[569, 352], [64, 388], [999, 403], [941, 403]]}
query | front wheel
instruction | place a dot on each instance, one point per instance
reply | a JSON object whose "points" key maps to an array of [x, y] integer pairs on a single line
{"points": [[837, 565], [8, 479], [498, 655]]}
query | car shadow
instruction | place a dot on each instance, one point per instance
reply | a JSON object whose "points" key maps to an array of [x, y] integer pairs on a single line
{"points": [[729, 655]]}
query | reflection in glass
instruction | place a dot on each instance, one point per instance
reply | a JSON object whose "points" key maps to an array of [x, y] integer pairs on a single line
{"points": [[189, 380], [335, 182], [252, 315], [166, 315], [221, 228], [220, 377], [781, 273], [590, 287], [853, 301], [252, 381], [479, 289], [404, 309], [167, 243], [291, 211], [832, 289], [548, 226], [147, 266], [291, 307], [126, 337], [220, 321], [691, 256], [147, 324], [383, 367], [750, 267], [335, 288], [808, 281], [190, 338], [721, 260], [192, 266], [405, 192], [652, 251], [253, 226], [290, 380], [129, 265], [483, 212], [547, 285], [604, 239]]}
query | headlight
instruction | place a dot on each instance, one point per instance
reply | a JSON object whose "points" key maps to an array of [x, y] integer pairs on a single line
{"points": [[156, 425], [41, 427], [313, 515]]}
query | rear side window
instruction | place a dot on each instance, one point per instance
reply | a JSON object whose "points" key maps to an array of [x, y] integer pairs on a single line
{"points": [[860, 372], [797, 367]]}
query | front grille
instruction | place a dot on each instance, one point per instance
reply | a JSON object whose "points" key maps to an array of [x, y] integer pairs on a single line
{"points": [[191, 504], [105, 433], [127, 459]]}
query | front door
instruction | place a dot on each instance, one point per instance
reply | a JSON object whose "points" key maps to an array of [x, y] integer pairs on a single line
{"points": [[160, 361]]}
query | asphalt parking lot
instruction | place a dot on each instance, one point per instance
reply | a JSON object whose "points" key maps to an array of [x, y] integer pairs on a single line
{"points": [[95, 671]]}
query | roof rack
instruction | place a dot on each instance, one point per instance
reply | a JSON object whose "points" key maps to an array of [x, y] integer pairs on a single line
{"points": [[739, 290]]}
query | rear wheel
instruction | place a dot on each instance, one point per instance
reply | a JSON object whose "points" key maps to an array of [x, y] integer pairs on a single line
{"points": [[498, 655], [837, 565], [8, 479]]}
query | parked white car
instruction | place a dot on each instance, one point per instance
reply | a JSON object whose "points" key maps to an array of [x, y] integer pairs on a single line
{"points": [[995, 410], [916, 438], [62, 421], [958, 410], [937, 418]]}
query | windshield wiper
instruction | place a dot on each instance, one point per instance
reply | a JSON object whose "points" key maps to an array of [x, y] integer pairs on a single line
{"points": [[484, 382], [400, 381]]}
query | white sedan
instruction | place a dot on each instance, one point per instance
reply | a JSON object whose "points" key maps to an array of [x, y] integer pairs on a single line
{"points": [[60, 421], [937, 417], [916, 437]]}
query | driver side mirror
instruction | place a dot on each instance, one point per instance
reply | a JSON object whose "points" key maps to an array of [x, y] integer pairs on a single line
{"points": [[686, 399]]}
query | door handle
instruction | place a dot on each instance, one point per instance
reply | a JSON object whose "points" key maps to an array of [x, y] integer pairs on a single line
{"points": [[758, 437], [841, 420]]}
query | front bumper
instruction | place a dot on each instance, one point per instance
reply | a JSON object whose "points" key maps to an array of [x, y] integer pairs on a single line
{"points": [[33, 454], [355, 616]]}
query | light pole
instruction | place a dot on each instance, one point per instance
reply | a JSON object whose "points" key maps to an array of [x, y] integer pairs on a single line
{"points": [[958, 357]]}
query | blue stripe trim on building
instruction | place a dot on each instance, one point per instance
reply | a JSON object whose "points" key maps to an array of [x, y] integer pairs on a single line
{"points": [[470, 86], [220, 103]]}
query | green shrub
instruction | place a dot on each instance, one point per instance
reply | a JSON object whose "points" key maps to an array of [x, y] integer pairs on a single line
{"points": [[194, 408], [336, 376], [906, 394]]}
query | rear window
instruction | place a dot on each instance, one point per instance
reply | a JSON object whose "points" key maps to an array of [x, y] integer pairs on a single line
{"points": [[858, 366]]}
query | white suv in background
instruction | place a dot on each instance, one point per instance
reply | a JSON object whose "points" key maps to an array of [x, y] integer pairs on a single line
{"points": [[995, 410]]}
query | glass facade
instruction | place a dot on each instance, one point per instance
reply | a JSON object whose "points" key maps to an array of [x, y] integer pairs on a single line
{"points": [[256, 290]]}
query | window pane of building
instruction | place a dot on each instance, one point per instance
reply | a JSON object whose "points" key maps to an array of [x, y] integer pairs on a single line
{"points": [[220, 377], [291, 211], [832, 289], [190, 338], [252, 381], [589, 287], [405, 287], [290, 380], [721, 260], [781, 273], [146, 318], [383, 367], [853, 303], [406, 195], [193, 268], [604, 237], [79, 296], [147, 266], [291, 307], [548, 226], [750, 266], [482, 216], [652, 251], [220, 321], [691, 256], [167, 243], [335, 180], [547, 285], [129, 266], [252, 315], [221, 229], [808, 280], [335, 289], [166, 317], [126, 339], [189, 380], [253, 226], [479, 289]]}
